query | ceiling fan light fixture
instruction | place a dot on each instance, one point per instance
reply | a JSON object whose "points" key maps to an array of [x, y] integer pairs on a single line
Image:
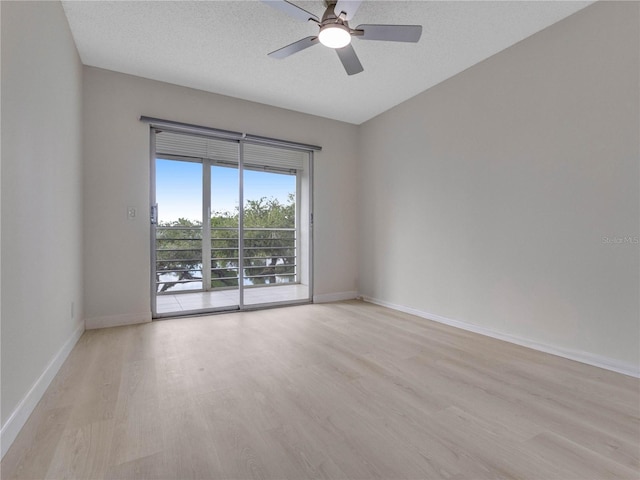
{"points": [[335, 32], [334, 36]]}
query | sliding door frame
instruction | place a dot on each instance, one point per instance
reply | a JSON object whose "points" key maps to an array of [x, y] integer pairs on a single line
{"points": [[241, 224], [153, 220], [206, 223]]}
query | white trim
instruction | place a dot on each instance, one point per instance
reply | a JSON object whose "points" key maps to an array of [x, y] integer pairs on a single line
{"points": [[117, 320], [20, 415], [584, 357], [334, 297]]}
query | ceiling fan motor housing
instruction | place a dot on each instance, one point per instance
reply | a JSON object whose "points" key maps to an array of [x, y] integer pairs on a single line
{"points": [[330, 18]]}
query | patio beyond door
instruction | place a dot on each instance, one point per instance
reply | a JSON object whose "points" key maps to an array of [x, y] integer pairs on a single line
{"points": [[232, 225]]}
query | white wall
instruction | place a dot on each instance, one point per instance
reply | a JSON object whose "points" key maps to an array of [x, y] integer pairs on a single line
{"points": [[41, 202], [116, 148], [486, 198]]}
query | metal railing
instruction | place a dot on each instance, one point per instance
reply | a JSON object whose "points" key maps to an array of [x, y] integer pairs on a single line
{"points": [[269, 258]]}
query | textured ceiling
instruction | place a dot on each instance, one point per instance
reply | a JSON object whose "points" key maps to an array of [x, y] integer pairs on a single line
{"points": [[222, 46]]}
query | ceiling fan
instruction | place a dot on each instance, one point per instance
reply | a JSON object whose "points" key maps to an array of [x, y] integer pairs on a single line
{"points": [[335, 31]]}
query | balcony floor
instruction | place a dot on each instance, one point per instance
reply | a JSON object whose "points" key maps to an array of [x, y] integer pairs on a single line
{"points": [[185, 302]]}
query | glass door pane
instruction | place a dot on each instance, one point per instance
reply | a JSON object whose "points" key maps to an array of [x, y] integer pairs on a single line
{"points": [[223, 282], [178, 238], [274, 257]]}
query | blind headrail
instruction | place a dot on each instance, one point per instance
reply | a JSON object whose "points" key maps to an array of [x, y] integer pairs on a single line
{"points": [[228, 134]]}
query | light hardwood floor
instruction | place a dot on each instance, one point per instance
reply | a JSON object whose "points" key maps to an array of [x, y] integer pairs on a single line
{"points": [[347, 390]]}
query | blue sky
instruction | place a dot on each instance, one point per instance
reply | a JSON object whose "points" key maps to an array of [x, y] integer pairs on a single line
{"points": [[179, 188]]}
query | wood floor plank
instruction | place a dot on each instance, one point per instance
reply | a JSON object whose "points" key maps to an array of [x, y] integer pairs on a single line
{"points": [[333, 391], [83, 452], [152, 467], [575, 460], [36, 445]]}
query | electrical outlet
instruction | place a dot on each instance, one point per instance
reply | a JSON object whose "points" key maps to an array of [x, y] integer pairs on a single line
{"points": [[131, 213]]}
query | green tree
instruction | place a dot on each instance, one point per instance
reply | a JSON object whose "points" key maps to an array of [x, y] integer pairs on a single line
{"points": [[269, 239], [269, 245], [224, 249], [178, 251]]}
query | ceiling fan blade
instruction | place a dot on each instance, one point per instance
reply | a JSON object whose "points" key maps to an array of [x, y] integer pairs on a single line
{"points": [[294, 47], [349, 60], [390, 33], [349, 7], [292, 10]]}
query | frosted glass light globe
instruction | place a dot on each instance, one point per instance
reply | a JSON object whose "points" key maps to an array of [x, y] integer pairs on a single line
{"points": [[334, 36]]}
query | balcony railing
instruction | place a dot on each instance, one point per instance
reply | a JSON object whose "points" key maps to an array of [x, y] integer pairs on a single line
{"points": [[269, 258]]}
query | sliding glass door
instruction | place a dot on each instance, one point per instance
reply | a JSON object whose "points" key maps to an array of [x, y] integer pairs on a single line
{"points": [[186, 224], [232, 225], [269, 232]]}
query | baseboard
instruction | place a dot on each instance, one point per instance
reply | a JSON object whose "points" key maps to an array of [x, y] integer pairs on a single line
{"points": [[583, 357], [117, 320], [21, 414], [334, 297]]}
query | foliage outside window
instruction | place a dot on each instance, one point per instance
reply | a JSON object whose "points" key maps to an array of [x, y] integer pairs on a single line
{"points": [[269, 246]]}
